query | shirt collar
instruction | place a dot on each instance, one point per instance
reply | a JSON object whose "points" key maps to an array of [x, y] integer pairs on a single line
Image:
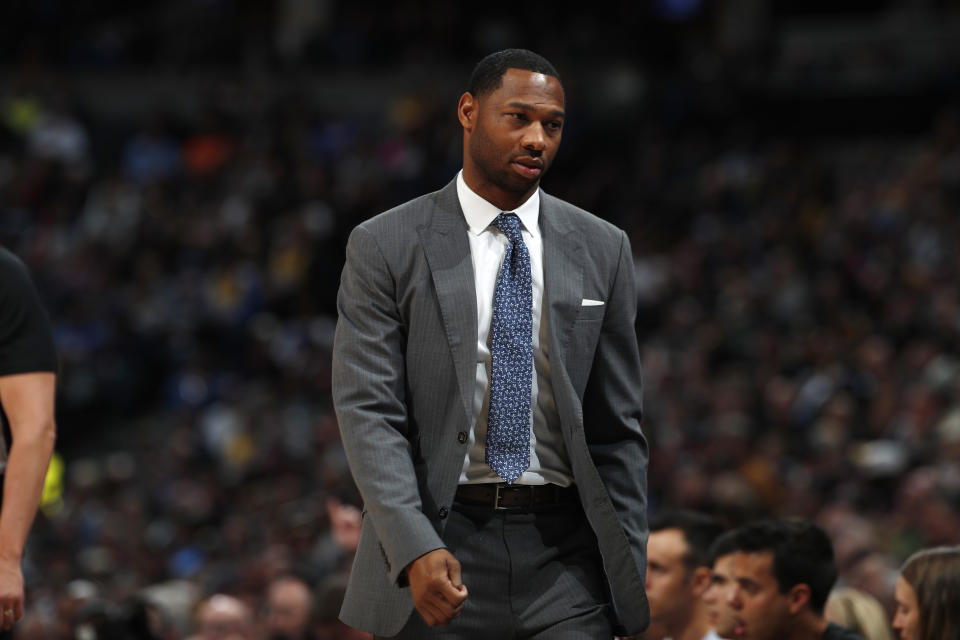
{"points": [[480, 214]]}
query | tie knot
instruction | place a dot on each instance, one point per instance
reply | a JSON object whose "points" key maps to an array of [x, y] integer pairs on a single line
{"points": [[509, 224]]}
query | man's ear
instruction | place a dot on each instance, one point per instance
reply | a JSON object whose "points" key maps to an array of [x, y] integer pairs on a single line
{"points": [[467, 110], [798, 597], [700, 581]]}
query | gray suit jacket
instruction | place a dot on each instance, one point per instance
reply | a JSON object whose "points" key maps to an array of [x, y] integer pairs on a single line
{"points": [[404, 368]]}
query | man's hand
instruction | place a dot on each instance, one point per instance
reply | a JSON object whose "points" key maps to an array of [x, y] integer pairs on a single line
{"points": [[11, 593], [438, 593]]}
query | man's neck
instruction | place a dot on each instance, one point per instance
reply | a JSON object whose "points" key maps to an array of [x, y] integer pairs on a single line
{"points": [[696, 628], [497, 196], [806, 626]]}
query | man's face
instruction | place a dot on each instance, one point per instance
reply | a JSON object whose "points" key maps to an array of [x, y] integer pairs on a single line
{"points": [[760, 611], [511, 136], [717, 597], [668, 579]]}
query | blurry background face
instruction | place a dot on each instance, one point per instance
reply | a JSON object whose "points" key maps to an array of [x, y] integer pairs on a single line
{"points": [[288, 605], [224, 626], [906, 621], [224, 617], [668, 584], [759, 609], [717, 597]]}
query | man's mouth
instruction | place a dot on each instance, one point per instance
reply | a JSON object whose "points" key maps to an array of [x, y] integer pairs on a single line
{"points": [[528, 167]]}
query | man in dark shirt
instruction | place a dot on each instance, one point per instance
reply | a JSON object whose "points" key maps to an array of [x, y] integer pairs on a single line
{"points": [[28, 365], [782, 571]]}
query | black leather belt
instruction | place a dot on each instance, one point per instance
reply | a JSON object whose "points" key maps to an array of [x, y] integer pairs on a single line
{"points": [[515, 497]]}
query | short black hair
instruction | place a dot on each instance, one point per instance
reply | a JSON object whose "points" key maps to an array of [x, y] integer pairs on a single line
{"points": [[487, 76], [699, 530], [802, 554]]}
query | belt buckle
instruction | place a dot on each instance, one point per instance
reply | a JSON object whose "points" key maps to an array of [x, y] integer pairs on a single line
{"points": [[503, 486], [496, 498]]}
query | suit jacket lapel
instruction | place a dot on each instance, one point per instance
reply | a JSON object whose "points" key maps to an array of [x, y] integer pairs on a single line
{"points": [[445, 244], [563, 275]]}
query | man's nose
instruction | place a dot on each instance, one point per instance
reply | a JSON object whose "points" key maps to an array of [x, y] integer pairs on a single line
{"points": [[733, 597], [534, 138]]}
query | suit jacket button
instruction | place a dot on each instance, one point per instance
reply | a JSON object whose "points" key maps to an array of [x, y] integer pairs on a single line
{"points": [[443, 512], [462, 437]]}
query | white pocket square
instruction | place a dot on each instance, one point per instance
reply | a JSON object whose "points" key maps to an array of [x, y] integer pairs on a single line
{"points": [[587, 302]]}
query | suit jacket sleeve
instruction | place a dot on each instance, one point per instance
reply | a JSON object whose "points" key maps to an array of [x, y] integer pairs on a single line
{"points": [[613, 408], [369, 398]]}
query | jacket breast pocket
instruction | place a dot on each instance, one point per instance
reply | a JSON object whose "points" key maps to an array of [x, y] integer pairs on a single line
{"points": [[591, 314], [582, 345]]}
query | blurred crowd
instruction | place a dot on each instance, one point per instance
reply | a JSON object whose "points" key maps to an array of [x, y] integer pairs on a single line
{"points": [[799, 320], [800, 340]]}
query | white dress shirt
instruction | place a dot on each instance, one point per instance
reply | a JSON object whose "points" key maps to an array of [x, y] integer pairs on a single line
{"points": [[488, 245], [711, 635]]}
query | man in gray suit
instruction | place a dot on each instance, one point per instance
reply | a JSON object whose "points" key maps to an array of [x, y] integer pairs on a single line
{"points": [[487, 385]]}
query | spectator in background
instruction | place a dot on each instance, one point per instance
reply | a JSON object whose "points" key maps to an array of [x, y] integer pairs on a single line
{"points": [[858, 611], [717, 596], [783, 571], [928, 595], [678, 573], [28, 364], [223, 617], [135, 619], [289, 608]]}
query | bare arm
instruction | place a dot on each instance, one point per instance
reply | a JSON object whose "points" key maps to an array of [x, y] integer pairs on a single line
{"points": [[28, 401]]}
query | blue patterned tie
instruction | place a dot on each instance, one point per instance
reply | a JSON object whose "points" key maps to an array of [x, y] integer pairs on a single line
{"points": [[511, 351]]}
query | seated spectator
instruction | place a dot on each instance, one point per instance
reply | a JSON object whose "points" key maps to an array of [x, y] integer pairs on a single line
{"points": [[289, 607], [858, 611], [678, 573], [717, 596], [783, 571], [223, 617], [928, 595]]}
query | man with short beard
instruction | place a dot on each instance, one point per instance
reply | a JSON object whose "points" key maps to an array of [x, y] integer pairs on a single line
{"points": [[486, 379]]}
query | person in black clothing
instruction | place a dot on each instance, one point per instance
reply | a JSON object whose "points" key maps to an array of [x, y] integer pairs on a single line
{"points": [[783, 571], [28, 365]]}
